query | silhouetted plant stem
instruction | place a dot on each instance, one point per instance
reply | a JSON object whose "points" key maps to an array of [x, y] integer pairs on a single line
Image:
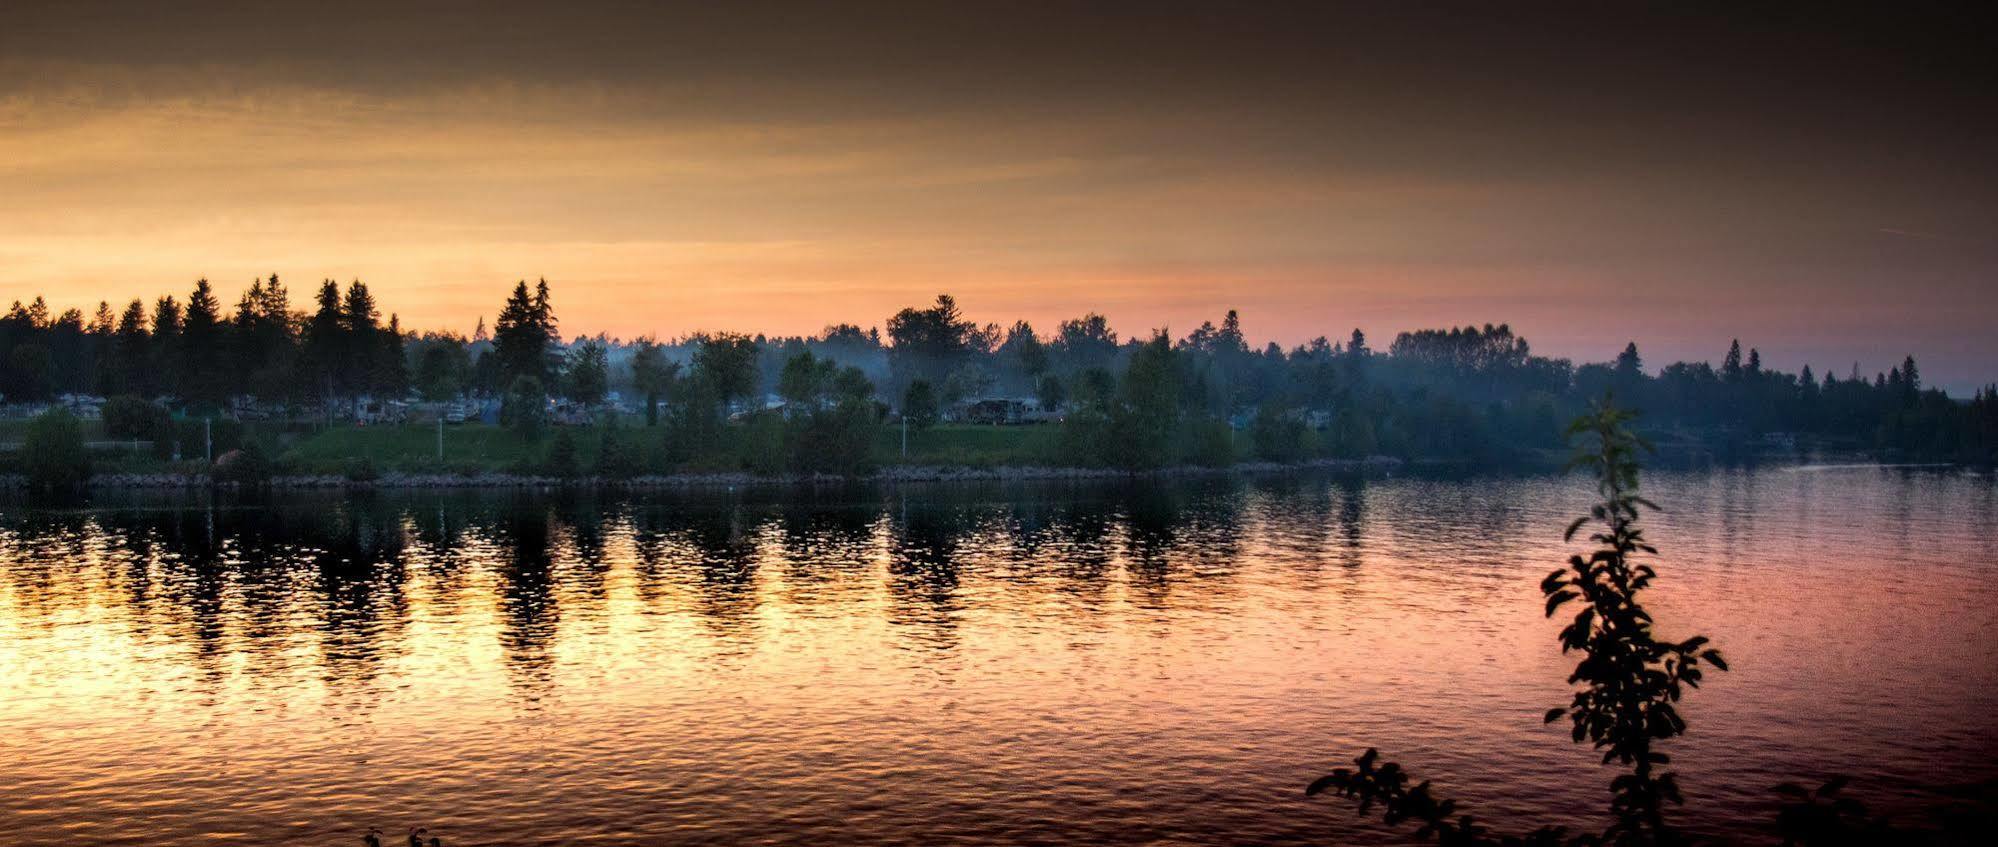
{"points": [[1628, 682]]}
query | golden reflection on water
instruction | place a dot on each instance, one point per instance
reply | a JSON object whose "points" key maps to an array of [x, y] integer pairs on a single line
{"points": [[1082, 663]]}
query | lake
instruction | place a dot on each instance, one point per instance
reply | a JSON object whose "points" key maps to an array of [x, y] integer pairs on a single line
{"points": [[1156, 662]]}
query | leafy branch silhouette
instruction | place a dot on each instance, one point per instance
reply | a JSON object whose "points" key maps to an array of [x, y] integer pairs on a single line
{"points": [[1629, 682]]}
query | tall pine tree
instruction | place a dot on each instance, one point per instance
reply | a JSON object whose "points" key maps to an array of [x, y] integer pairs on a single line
{"points": [[204, 376]]}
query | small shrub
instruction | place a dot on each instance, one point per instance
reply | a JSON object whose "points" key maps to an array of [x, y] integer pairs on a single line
{"points": [[1211, 444], [359, 469], [919, 405], [128, 416], [839, 440], [615, 457], [524, 409], [1278, 436], [245, 465], [760, 443], [53, 451], [217, 436], [562, 455]]}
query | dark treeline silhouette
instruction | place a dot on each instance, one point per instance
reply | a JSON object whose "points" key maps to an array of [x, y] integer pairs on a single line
{"points": [[1469, 394]]}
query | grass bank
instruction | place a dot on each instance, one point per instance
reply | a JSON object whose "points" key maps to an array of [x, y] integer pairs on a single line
{"points": [[479, 449]]}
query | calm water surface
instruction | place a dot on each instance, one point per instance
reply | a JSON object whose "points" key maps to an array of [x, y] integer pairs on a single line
{"points": [[1166, 663]]}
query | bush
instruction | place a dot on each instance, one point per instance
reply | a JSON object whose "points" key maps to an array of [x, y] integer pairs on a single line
{"points": [[1278, 436], [1084, 437], [760, 443], [615, 458], [128, 416], [524, 409], [839, 440], [246, 465], [1211, 443], [53, 451], [359, 469], [1352, 436], [562, 455], [919, 405], [693, 423], [219, 435]]}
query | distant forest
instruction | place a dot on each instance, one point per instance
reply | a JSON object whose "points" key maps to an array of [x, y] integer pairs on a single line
{"points": [[1459, 394]]}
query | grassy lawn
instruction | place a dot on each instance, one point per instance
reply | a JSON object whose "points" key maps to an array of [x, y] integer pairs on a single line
{"points": [[969, 445], [414, 446], [475, 448], [14, 429]]}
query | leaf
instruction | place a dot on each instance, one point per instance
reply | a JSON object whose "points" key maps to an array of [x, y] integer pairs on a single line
{"points": [[1573, 528], [1555, 600], [1553, 715], [1713, 657], [1833, 786], [1319, 785]]}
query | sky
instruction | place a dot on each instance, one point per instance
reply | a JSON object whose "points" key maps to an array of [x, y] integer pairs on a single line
{"points": [[1820, 186]]}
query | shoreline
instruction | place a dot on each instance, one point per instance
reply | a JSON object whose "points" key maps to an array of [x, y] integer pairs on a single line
{"points": [[889, 475], [896, 474]]}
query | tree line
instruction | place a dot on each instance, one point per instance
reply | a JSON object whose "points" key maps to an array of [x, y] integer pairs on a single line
{"points": [[1474, 393]]}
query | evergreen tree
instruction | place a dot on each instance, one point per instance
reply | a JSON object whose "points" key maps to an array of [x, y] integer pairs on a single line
{"points": [[1628, 363], [325, 344], [205, 383], [1627, 378], [264, 341], [392, 361], [544, 317], [1731, 366], [520, 340], [360, 329], [589, 374], [167, 320], [131, 354]]}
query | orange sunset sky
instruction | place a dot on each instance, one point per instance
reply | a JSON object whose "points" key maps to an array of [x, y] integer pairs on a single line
{"points": [[1820, 187]]}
